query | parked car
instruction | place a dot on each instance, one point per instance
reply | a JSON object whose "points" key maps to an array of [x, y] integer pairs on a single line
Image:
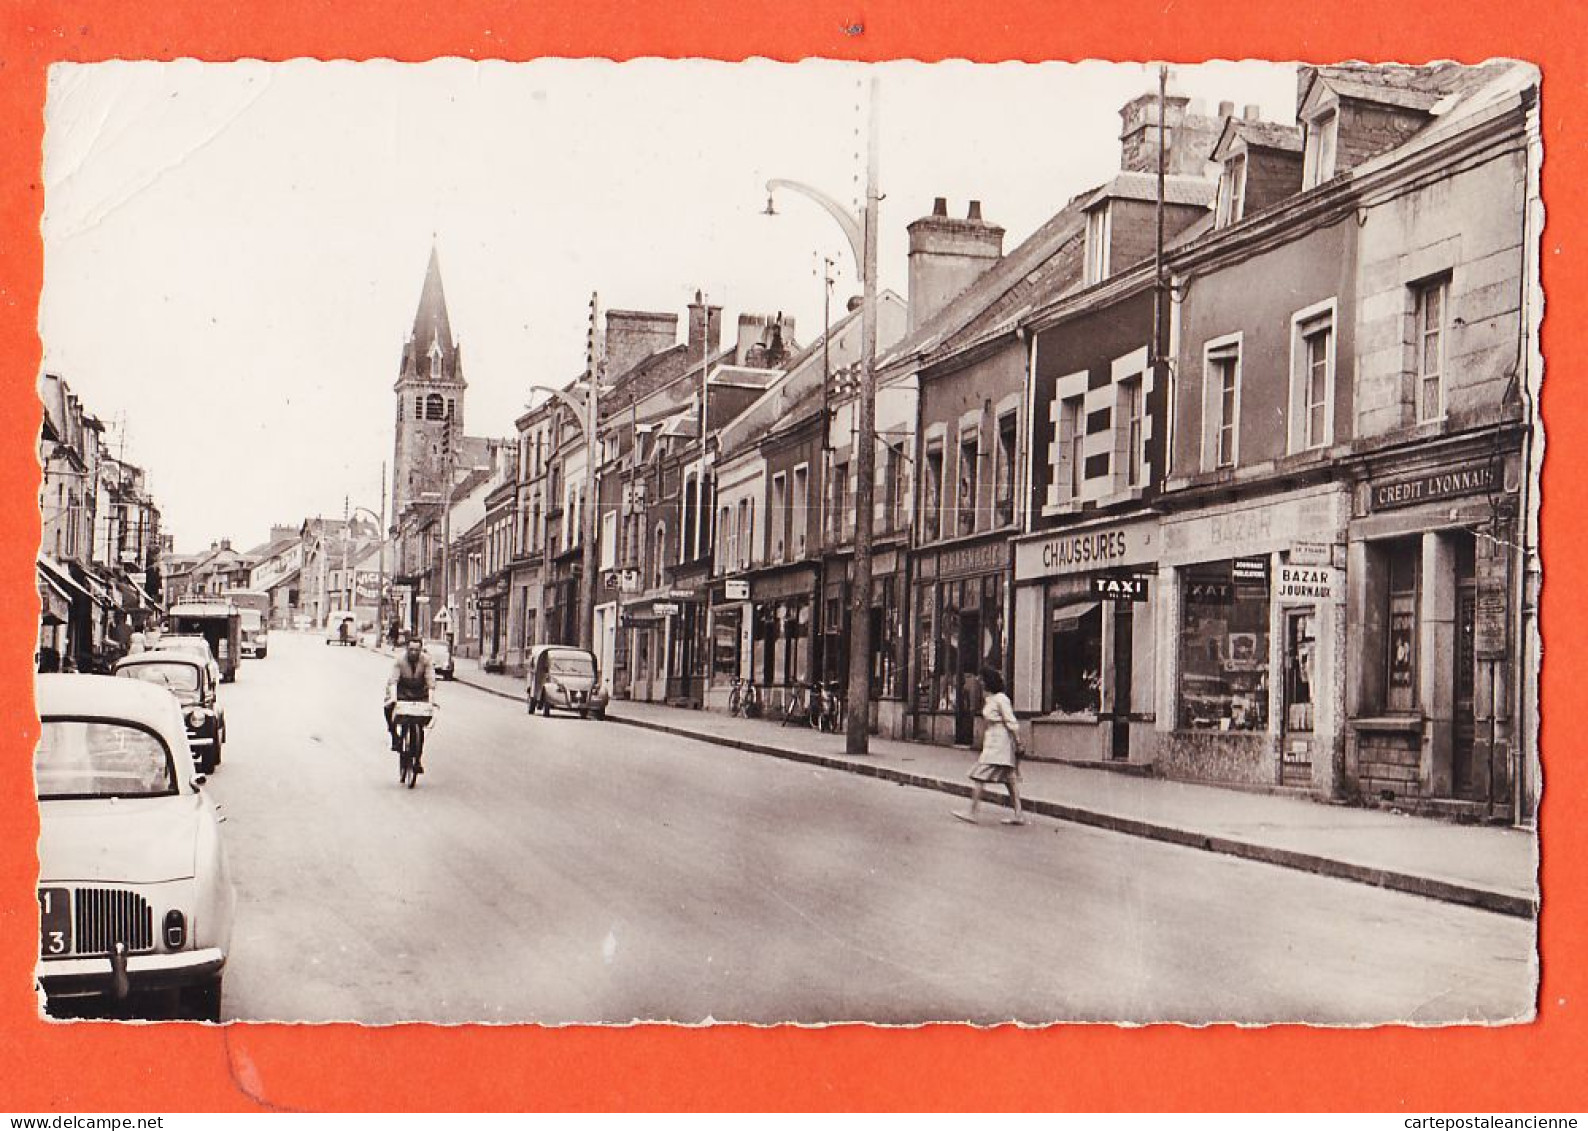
{"points": [[341, 628], [440, 653], [566, 678], [134, 889], [197, 645], [186, 676]]}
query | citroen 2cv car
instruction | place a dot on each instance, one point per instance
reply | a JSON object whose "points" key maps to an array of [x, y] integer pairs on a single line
{"points": [[134, 890], [566, 678]]}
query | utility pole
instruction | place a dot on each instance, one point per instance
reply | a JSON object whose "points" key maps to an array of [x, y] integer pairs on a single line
{"points": [[446, 528], [595, 362], [858, 725]]}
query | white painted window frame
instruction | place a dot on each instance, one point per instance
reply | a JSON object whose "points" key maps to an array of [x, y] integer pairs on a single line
{"points": [[1213, 401], [1325, 312]]}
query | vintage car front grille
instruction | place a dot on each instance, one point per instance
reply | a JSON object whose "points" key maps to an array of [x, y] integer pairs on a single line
{"points": [[103, 917]]}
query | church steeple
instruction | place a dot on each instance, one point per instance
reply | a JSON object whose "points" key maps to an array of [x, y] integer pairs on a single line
{"points": [[430, 351], [430, 391]]}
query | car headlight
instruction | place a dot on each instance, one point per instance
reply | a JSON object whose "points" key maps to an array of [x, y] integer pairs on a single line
{"points": [[175, 929], [195, 717]]}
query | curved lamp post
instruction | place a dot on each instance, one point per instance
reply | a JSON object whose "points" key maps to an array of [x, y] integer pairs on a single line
{"points": [[584, 411], [861, 231]]}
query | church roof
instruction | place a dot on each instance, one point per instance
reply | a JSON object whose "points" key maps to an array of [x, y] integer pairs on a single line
{"points": [[430, 320]]}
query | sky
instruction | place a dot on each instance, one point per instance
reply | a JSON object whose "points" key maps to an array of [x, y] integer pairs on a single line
{"points": [[233, 252]]}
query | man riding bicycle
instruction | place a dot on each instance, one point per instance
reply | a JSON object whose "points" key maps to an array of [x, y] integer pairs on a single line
{"points": [[412, 680]]}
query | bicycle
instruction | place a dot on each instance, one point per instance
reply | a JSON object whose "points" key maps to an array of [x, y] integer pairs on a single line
{"points": [[411, 719], [828, 710], [744, 701], [799, 706]]}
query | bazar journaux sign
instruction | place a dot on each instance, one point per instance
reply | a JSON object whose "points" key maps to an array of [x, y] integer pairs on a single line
{"points": [[1087, 551]]}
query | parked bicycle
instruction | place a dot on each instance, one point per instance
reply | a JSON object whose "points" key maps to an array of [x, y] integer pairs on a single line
{"points": [[800, 706], [744, 700]]}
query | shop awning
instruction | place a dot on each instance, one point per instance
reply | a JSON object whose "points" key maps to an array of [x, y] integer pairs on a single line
{"points": [[1066, 617], [59, 579]]}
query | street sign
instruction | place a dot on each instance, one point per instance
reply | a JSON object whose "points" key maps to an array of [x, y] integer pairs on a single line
{"points": [[665, 608], [609, 579], [1311, 553], [443, 617], [1120, 587], [737, 590], [629, 581]]}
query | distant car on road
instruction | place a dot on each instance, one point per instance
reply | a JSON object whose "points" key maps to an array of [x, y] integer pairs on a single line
{"points": [[566, 678], [187, 677], [341, 628], [440, 653], [134, 889]]}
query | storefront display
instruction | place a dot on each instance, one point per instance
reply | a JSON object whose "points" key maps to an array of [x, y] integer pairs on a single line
{"points": [[1224, 645]]}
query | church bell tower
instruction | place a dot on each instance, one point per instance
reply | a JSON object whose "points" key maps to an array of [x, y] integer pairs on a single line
{"points": [[430, 390]]}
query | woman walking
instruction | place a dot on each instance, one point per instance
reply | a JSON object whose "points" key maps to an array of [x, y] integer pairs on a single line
{"points": [[1000, 750]]}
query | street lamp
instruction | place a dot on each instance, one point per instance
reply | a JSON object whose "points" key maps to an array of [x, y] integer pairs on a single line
{"points": [[861, 231]]}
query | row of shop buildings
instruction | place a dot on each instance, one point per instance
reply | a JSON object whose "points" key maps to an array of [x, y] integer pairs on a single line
{"points": [[98, 569], [1252, 505]]}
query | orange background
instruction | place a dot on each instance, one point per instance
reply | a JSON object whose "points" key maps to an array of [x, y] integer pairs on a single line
{"points": [[89, 1067]]}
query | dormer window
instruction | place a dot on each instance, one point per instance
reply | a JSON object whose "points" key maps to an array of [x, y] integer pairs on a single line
{"points": [[1099, 232], [1322, 133], [1232, 191], [435, 359]]}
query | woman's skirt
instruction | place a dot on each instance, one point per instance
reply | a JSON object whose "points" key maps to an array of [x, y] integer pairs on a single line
{"points": [[992, 773]]}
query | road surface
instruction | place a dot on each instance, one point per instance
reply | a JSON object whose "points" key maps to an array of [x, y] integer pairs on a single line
{"points": [[559, 870]]}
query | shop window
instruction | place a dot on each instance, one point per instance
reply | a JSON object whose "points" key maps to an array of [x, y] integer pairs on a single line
{"points": [[1224, 646], [969, 445], [1004, 473], [725, 643], [1312, 378], [1075, 650], [887, 659], [1402, 559], [932, 493], [1430, 302]]}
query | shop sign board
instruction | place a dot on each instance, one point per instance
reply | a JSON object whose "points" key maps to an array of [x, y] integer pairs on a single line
{"points": [[1305, 583], [665, 608], [1311, 553], [737, 589], [1446, 483], [966, 561], [1120, 587], [1108, 547]]}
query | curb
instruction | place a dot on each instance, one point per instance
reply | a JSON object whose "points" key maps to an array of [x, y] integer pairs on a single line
{"points": [[488, 690], [1446, 891]]}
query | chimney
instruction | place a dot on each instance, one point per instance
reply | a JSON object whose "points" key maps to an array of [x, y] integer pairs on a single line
{"points": [[1253, 112], [947, 256], [705, 327], [634, 335], [1191, 134], [764, 341]]}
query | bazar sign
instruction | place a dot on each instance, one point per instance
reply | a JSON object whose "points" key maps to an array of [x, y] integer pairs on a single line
{"points": [[1103, 547], [1433, 486], [1305, 583]]}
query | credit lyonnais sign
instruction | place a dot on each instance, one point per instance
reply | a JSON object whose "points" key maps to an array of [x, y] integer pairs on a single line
{"points": [[1086, 551], [1433, 486]]}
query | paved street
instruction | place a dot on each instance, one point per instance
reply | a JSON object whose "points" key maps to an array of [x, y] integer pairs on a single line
{"points": [[558, 870]]}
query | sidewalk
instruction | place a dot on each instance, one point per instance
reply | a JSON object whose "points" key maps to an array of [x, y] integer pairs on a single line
{"points": [[1477, 865]]}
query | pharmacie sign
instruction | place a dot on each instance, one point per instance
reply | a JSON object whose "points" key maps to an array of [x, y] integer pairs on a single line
{"points": [[1087, 551], [1435, 485], [1305, 583]]}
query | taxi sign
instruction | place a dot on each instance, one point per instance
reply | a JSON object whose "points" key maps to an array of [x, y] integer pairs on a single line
{"points": [[1119, 587]]}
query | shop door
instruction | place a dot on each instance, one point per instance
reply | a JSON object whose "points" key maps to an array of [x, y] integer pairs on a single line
{"points": [[1295, 765], [1124, 637], [967, 680], [1463, 771]]}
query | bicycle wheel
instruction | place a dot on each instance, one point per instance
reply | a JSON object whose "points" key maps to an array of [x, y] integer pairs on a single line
{"points": [[735, 702], [791, 709], [402, 753]]}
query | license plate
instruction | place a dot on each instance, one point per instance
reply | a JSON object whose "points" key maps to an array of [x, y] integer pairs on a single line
{"points": [[55, 922]]}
